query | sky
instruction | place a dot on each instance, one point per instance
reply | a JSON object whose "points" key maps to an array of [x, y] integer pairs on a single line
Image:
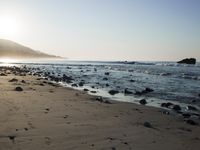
{"points": [[147, 30]]}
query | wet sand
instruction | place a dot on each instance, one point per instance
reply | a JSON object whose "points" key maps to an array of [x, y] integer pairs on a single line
{"points": [[46, 116]]}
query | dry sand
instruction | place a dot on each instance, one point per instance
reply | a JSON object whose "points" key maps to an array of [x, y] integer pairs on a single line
{"points": [[46, 117]]}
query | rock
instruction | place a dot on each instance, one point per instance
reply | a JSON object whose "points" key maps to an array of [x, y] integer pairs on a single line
{"points": [[100, 99], [23, 81], [186, 115], [192, 108], [176, 108], [167, 105], [107, 84], [113, 92], [191, 122], [107, 102], [138, 93], [81, 83], [187, 61], [143, 102], [93, 91], [13, 80], [149, 90], [147, 124], [132, 80], [127, 92], [3, 74], [107, 73], [19, 89], [105, 79], [85, 90], [74, 85], [199, 95]]}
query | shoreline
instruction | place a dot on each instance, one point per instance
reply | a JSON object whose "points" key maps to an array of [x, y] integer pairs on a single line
{"points": [[48, 116]]}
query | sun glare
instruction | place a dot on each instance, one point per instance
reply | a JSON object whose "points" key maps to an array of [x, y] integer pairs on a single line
{"points": [[9, 26], [7, 60]]}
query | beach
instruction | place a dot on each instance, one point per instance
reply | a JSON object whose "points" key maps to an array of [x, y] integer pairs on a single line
{"points": [[46, 116]]}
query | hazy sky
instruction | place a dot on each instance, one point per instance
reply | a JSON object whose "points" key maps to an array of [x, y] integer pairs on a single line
{"points": [[106, 29]]}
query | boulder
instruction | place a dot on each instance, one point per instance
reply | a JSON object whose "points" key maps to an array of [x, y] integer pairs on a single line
{"points": [[143, 102], [187, 61], [167, 105], [85, 90], [113, 92]]}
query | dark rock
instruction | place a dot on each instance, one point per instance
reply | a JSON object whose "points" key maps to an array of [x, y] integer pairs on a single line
{"points": [[3, 74], [81, 83], [192, 108], [107, 73], [107, 84], [126, 91], [23, 81], [147, 124], [85, 90], [19, 89], [74, 85], [186, 115], [93, 91], [100, 99], [187, 61], [149, 90], [105, 79], [13, 80], [167, 105], [143, 102], [176, 108], [132, 80], [199, 95], [113, 92], [138, 93], [191, 122]]}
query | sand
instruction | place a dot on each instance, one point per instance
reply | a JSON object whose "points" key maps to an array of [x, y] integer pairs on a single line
{"points": [[49, 117]]}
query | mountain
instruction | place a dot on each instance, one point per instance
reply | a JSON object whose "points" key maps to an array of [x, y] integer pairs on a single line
{"points": [[10, 49]]}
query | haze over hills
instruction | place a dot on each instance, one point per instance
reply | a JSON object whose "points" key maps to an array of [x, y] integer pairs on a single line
{"points": [[10, 49]]}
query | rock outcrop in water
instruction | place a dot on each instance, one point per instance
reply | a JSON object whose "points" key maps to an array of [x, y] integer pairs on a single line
{"points": [[187, 61]]}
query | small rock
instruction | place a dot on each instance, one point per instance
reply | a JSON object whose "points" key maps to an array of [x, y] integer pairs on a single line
{"points": [[176, 108], [147, 124], [143, 102], [19, 89], [13, 80], [105, 79], [192, 108], [132, 80], [191, 122], [107, 73], [126, 91], [81, 83], [93, 91], [100, 99], [186, 115], [167, 105], [85, 90], [149, 90], [23, 81], [113, 92], [74, 85]]}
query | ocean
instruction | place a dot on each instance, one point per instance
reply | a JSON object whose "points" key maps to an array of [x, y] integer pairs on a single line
{"points": [[170, 82]]}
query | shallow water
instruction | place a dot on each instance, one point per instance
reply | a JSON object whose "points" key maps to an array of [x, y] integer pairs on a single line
{"points": [[170, 81]]}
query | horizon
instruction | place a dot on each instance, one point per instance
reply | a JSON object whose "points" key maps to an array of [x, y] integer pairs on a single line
{"points": [[147, 30]]}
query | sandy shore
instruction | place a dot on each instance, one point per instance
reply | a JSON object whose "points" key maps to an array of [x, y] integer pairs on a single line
{"points": [[50, 117]]}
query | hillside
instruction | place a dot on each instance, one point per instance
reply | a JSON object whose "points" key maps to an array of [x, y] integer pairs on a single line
{"points": [[10, 49]]}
